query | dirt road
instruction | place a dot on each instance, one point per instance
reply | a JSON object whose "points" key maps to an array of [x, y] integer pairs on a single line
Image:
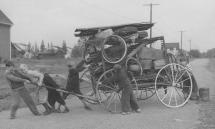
{"points": [[153, 116], [204, 71]]}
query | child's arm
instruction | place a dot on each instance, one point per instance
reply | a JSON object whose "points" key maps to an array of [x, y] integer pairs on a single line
{"points": [[11, 77], [80, 66], [22, 75]]}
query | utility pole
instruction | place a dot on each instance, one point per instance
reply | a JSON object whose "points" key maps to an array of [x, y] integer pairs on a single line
{"points": [[151, 5], [190, 45], [181, 38]]}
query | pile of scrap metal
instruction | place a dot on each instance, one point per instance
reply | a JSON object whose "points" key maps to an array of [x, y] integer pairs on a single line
{"points": [[113, 43]]}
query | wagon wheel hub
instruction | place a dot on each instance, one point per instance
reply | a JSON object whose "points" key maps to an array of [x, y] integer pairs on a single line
{"points": [[175, 84]]}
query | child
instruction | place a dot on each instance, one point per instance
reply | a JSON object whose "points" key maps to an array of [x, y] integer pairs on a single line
{"points": [[53, 95], [16, 80], [73, 84], [128, 100]]}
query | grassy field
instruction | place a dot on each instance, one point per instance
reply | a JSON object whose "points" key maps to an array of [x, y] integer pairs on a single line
{"points": [[53, 66]]}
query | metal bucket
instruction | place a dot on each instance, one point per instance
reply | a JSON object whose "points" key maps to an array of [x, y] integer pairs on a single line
{"points": [[204, 94]]}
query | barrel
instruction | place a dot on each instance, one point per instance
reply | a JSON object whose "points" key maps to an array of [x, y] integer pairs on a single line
{"points": [[204, 94]]}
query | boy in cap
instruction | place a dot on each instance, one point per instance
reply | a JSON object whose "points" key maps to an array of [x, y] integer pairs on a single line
{"points": [[73, 84], [53, 95], [128, 99], [16, 80]]}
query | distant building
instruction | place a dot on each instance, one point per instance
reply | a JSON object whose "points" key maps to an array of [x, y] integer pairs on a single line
{"points": [[5, 43], [172, 46]]}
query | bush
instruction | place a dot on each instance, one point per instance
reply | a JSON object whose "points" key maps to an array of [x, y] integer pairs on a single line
{"points": [[76, 51]]}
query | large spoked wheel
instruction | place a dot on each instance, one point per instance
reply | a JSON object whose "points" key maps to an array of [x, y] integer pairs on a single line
{"points": [[141, 91], [144, 92], [173, 85], [88, 87], [114, 49], [107, 91]]}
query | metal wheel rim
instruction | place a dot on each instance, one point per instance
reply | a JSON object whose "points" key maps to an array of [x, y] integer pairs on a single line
{"points": [[187, 97], [112, 100], [124, 54]]}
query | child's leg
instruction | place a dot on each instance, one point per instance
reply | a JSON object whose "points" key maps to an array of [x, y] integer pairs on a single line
{"points": [[51, 98], [125, 101], [28, 100], [15, 104], [61, 101], [133, 102]]}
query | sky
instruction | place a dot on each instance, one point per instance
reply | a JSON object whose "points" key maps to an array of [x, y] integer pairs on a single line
{"points": [[56, 20]]}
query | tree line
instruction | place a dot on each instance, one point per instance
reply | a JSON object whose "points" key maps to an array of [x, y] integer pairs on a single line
{"points": [[197, 54], [75, 51]]}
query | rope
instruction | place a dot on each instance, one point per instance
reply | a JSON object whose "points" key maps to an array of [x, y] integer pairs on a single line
{"points": [[78, 95]]}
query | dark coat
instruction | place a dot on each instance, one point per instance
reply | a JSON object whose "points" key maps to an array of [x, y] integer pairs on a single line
{"points": [[73, 81]]}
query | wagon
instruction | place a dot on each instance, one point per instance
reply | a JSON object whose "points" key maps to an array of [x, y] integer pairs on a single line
{"points": [[151, 70]]}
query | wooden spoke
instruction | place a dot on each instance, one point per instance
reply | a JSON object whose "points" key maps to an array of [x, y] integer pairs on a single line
{"points": [[170, 97], [184, 80], [168, 75], [175, 97], [108, 87], [180, 76]]}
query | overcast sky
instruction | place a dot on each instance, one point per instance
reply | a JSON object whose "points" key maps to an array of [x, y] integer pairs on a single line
{"points": [[56, 20]]}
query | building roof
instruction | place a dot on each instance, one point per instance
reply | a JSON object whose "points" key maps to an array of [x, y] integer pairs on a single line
{"points": [[4, 19], [172, 45]]}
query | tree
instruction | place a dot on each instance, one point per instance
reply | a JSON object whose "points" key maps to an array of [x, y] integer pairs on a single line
{"points": [[64, 47], [76, 51], [52, 49], [36, 50], [195, 53], [211, 53], [29, 47], [42, 46], [48, 47]]}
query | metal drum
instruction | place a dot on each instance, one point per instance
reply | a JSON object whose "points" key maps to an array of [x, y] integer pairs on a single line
{"points": [[204, 94]]}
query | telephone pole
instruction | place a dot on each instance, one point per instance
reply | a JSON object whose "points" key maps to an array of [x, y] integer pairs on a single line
{"points": [[150, 5], [181, 38], [190, 44]]}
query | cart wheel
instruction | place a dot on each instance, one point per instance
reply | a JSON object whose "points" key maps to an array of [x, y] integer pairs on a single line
{"points": [[144, 92], [88, 87], [114, 49], [107, 92], [173, 85]]}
